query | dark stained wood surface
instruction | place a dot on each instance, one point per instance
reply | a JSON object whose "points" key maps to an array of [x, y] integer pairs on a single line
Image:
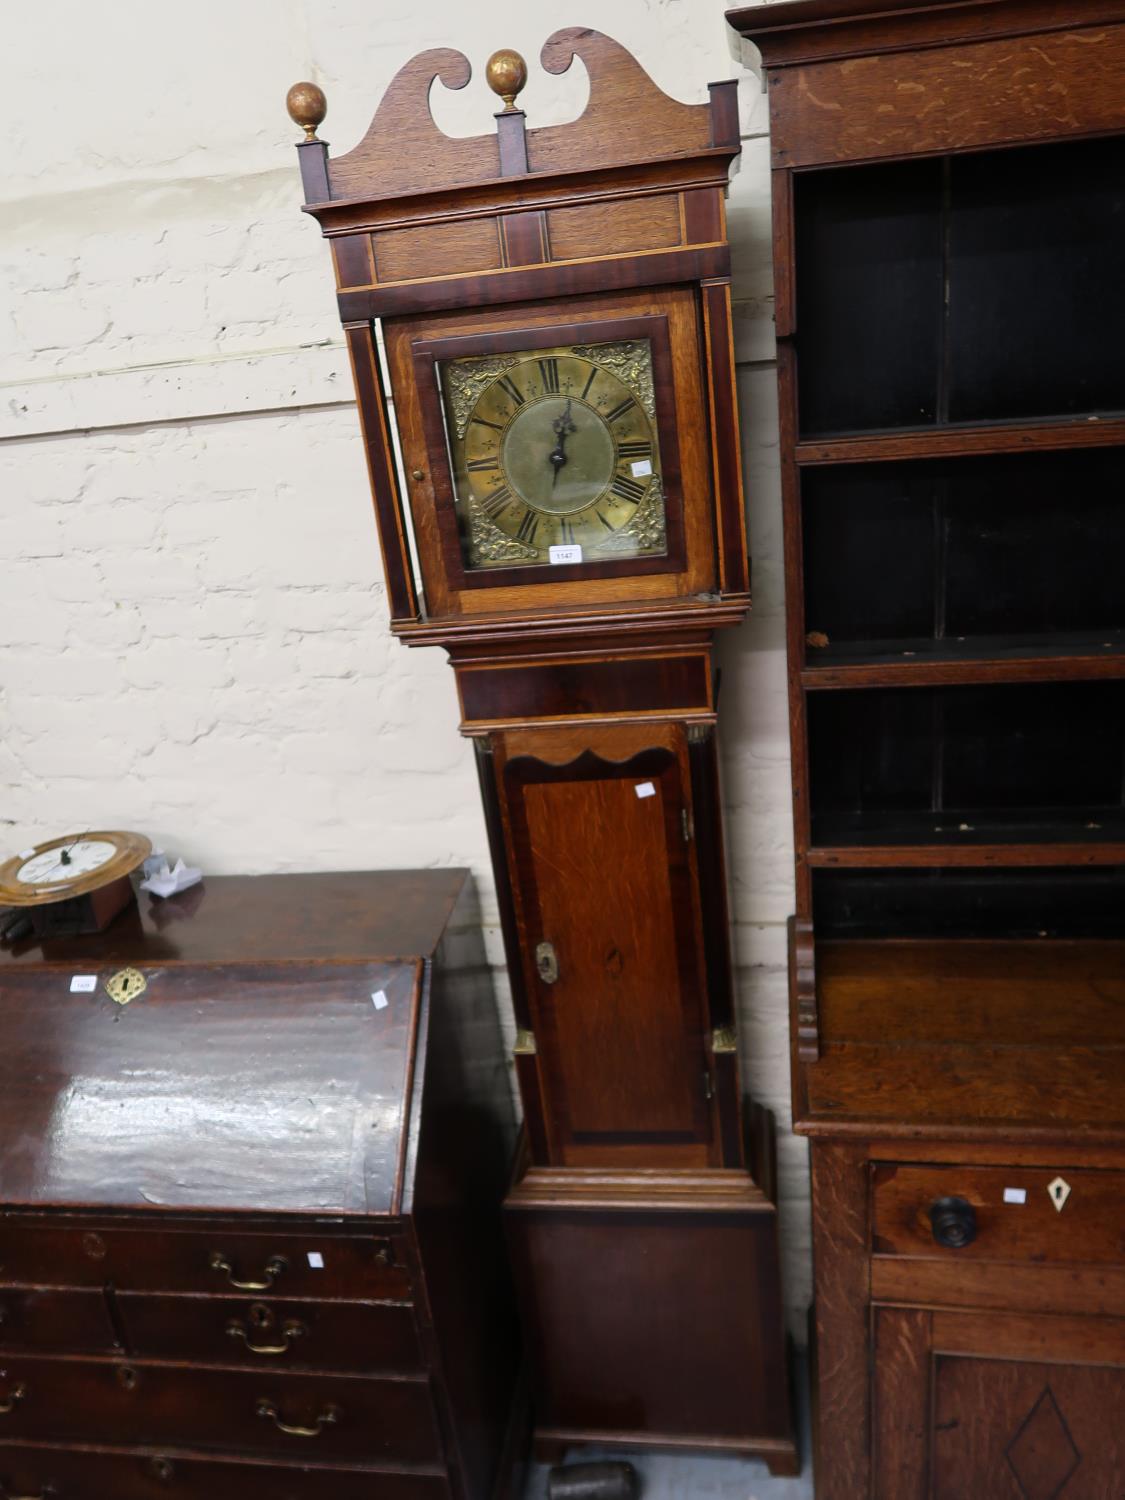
{"points": [[361, 1338], [26, 1469], [249, 1223], [149, 1404], [265, 1088], [702, 1368], [268, 918]]}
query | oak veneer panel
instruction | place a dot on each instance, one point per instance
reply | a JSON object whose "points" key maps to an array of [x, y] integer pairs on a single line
{"points": [[1025, 993], [901, 1407], [841, 1447], [1094, 1291], [1021, 1430], [948, 99], [620, 1030], [463, 246], [1087, 1231], [971, 1089], [592, 229]]}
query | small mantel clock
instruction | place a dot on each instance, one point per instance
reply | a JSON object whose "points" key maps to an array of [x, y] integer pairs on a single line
{"points": [[550, 311]]}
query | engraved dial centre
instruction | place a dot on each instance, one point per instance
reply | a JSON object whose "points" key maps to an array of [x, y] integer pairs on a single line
{"points": [[532, 437]]}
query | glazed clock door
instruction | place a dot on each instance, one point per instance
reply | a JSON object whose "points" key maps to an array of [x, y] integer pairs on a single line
{"points": [[605, 890]]}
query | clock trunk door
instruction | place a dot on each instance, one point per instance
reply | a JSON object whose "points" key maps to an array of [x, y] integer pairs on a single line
{"points": [[605, 885]]}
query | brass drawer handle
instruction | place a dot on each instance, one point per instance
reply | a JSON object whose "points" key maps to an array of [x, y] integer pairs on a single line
{"points": [[18, 1393], [289, 1331], [329, 1415], [271, 1271]]}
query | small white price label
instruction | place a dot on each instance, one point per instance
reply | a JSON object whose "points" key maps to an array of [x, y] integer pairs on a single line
{"points": [[646, 789], [379, 999], [571, 553], [1015, 1195], [316, 1260], [83, 984], [641, 469], [25, 853]]}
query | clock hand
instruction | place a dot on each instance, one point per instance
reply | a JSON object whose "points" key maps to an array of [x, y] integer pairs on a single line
{"points": [[561, 427]]}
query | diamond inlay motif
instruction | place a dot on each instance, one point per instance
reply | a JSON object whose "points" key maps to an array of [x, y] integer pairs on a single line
{"points": [[1042, 1454]]}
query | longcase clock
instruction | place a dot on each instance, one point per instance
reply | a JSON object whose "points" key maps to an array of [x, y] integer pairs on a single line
{"points": [[550, 311]]}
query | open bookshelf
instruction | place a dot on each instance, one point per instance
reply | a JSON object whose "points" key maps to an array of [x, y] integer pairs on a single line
{"points": [[953, 417]]}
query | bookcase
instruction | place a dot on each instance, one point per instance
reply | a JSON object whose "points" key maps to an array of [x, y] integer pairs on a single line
{"points": [[949, 245]]}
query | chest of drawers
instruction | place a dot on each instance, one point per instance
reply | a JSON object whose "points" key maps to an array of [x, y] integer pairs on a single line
{"points": [[249, 1221]]}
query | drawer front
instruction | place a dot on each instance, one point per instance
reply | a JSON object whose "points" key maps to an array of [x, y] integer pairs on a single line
{"points": [[222, 1259], [365, 1337], [86, 1475], [302, 1418], [54, 1322], [1011, 1213]]}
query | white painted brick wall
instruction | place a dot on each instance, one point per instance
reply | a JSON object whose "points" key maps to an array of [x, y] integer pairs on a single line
{"points": [[192, 619]]}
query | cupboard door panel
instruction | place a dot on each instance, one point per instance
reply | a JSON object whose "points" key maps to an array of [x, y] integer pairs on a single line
{"points": [[1029, 1431], [1011, 1406], [606, 888]]}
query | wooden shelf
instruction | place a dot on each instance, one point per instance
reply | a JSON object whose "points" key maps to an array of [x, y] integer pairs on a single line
{"points": [[954, 441], [1064, 836], [970, 1035], [924, 662]]}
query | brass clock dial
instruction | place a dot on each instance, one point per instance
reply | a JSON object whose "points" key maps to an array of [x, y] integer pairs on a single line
{"points": [[553, 449]]}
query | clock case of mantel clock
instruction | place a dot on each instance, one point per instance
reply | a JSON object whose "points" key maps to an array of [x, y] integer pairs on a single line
{"points": [[642, 1217]]}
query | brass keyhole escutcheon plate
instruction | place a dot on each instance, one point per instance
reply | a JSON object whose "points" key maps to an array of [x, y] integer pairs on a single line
{"points": [[125, 985]]}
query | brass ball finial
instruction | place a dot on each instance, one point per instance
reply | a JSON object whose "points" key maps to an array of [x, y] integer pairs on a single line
{"points": [[307, 107], [506, 73]]}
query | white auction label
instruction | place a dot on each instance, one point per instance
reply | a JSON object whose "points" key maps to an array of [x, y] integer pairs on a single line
{"points": [[641, 468], [1015, 1195], [571, 553], [83, 984], [379, 999], [646, 789], [316, 1260]]}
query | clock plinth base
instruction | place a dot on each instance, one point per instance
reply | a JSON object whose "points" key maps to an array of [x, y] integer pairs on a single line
{"points": [[80, 915], [651, 1303]]}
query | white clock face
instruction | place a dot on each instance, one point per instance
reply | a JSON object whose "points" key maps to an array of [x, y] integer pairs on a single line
{"points": [[61, 866]]}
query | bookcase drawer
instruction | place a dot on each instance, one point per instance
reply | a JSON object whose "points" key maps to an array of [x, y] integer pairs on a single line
{"points": [[1029, 1215]]}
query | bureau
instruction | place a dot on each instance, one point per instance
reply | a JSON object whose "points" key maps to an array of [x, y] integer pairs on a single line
{"points": [[249, 1220]]}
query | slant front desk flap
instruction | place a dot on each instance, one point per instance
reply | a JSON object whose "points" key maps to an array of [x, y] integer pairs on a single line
{"points": [[273, 1087], [247, 1045]]}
